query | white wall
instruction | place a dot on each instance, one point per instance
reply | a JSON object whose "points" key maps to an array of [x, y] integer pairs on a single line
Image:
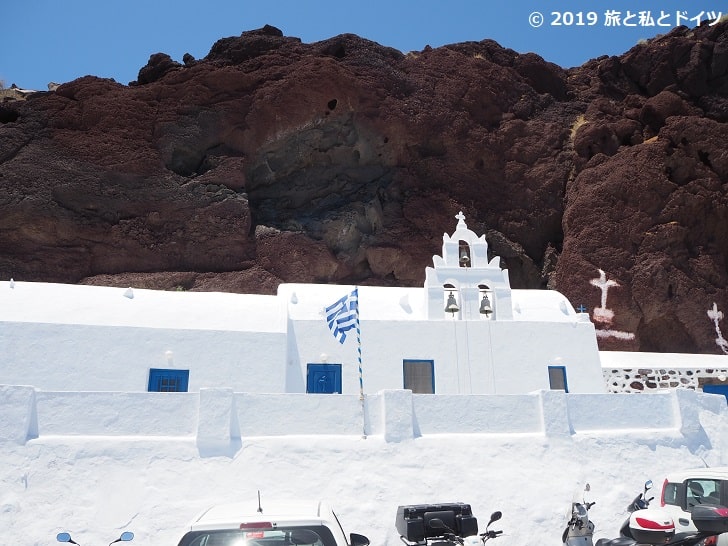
{"points": [[116, 414], [532, 348], [470, 357], [306, 414], [68, 337], [118, 358], [218, 419], [488, 414]]}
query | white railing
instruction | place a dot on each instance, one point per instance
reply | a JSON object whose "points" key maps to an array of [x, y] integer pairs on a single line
{"points": [[630, 372], [631, 380]]}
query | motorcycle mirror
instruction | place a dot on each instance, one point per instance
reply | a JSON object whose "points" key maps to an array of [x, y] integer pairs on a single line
{"points": [[648, 485], [65, 537], [126, 536], [495, 516], [587, 487]]}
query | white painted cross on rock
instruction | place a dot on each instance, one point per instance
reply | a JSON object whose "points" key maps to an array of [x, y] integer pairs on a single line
{"points": [[716, 316], [602, 314]]}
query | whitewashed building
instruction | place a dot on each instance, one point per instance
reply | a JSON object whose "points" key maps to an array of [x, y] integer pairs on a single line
{"points": [[465, 332]]}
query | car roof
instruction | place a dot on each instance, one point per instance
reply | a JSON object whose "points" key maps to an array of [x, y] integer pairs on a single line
{"points": [[277, 513], [718, 472]]}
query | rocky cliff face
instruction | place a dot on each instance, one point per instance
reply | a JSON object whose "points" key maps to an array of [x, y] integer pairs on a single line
{"points": [[344, 161]]}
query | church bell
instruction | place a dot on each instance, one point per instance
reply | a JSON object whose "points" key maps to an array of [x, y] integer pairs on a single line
{"points": [[452, 305]]}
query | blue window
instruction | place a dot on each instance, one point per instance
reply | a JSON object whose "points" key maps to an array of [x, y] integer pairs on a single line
{"points": [[161, 380], [557, 378], [323, 378], [419, 376]]}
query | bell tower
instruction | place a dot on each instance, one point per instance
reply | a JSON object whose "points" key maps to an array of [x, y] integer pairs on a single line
{"points": [[463, 285]]}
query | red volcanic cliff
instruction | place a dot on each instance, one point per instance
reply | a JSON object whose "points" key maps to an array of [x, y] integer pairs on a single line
{"points": [[343, 161]]}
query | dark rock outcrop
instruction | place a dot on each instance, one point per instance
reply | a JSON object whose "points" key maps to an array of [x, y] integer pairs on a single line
{"points": [[344, 161]]}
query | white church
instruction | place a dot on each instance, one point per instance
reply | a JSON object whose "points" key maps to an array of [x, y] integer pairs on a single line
{"points": [[465, 332]]}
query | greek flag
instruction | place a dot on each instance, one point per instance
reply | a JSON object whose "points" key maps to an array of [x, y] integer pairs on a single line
{"points": [[342, 315]]}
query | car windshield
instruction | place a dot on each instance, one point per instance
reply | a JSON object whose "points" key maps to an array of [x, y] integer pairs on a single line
{"points": [[281, 536]]}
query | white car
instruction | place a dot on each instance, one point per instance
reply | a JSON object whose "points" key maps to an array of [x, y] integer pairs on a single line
{"points": [[682, 491], [300, 523]]}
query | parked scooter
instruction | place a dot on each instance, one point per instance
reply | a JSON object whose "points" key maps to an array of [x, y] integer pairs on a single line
{"points": [[126, 536], [640, 502], [580, 529], [646, 526], [656, 527]]}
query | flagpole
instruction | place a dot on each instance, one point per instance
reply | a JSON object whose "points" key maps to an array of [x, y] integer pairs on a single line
{"points": [[361, 375], [342, 316]]}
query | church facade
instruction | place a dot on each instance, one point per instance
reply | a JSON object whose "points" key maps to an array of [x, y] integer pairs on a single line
{"points": [[465, 332]]}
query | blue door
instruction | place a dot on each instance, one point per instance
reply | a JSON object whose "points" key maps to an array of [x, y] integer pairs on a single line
{"points": [[716, 389], [323, 378]]}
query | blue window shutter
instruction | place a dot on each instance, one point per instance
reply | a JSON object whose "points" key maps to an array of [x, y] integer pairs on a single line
{"points": [[162, 380]]}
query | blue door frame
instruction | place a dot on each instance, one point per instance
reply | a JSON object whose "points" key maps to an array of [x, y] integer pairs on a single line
{"points": [[557, 378], [323, 378], [418, 376]]}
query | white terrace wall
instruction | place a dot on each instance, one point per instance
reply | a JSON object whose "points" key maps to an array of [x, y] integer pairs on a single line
{"points": [[218, 420]]}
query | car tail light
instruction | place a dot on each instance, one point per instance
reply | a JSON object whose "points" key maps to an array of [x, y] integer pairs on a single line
{"points": [[711, 541], [662, 495], [257, 525]]}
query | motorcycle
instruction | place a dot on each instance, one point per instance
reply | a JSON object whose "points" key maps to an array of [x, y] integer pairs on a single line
{"points": [[640, 502], [580, 529], [126, 536], [656, 527], [450, 524]]}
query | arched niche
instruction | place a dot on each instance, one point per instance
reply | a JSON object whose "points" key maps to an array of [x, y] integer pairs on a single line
{"points": [[465, 257], [487, 302], [451, 299]]}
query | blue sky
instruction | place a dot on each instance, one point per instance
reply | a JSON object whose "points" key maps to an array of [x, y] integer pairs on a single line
{"points": [[60, 40]]}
